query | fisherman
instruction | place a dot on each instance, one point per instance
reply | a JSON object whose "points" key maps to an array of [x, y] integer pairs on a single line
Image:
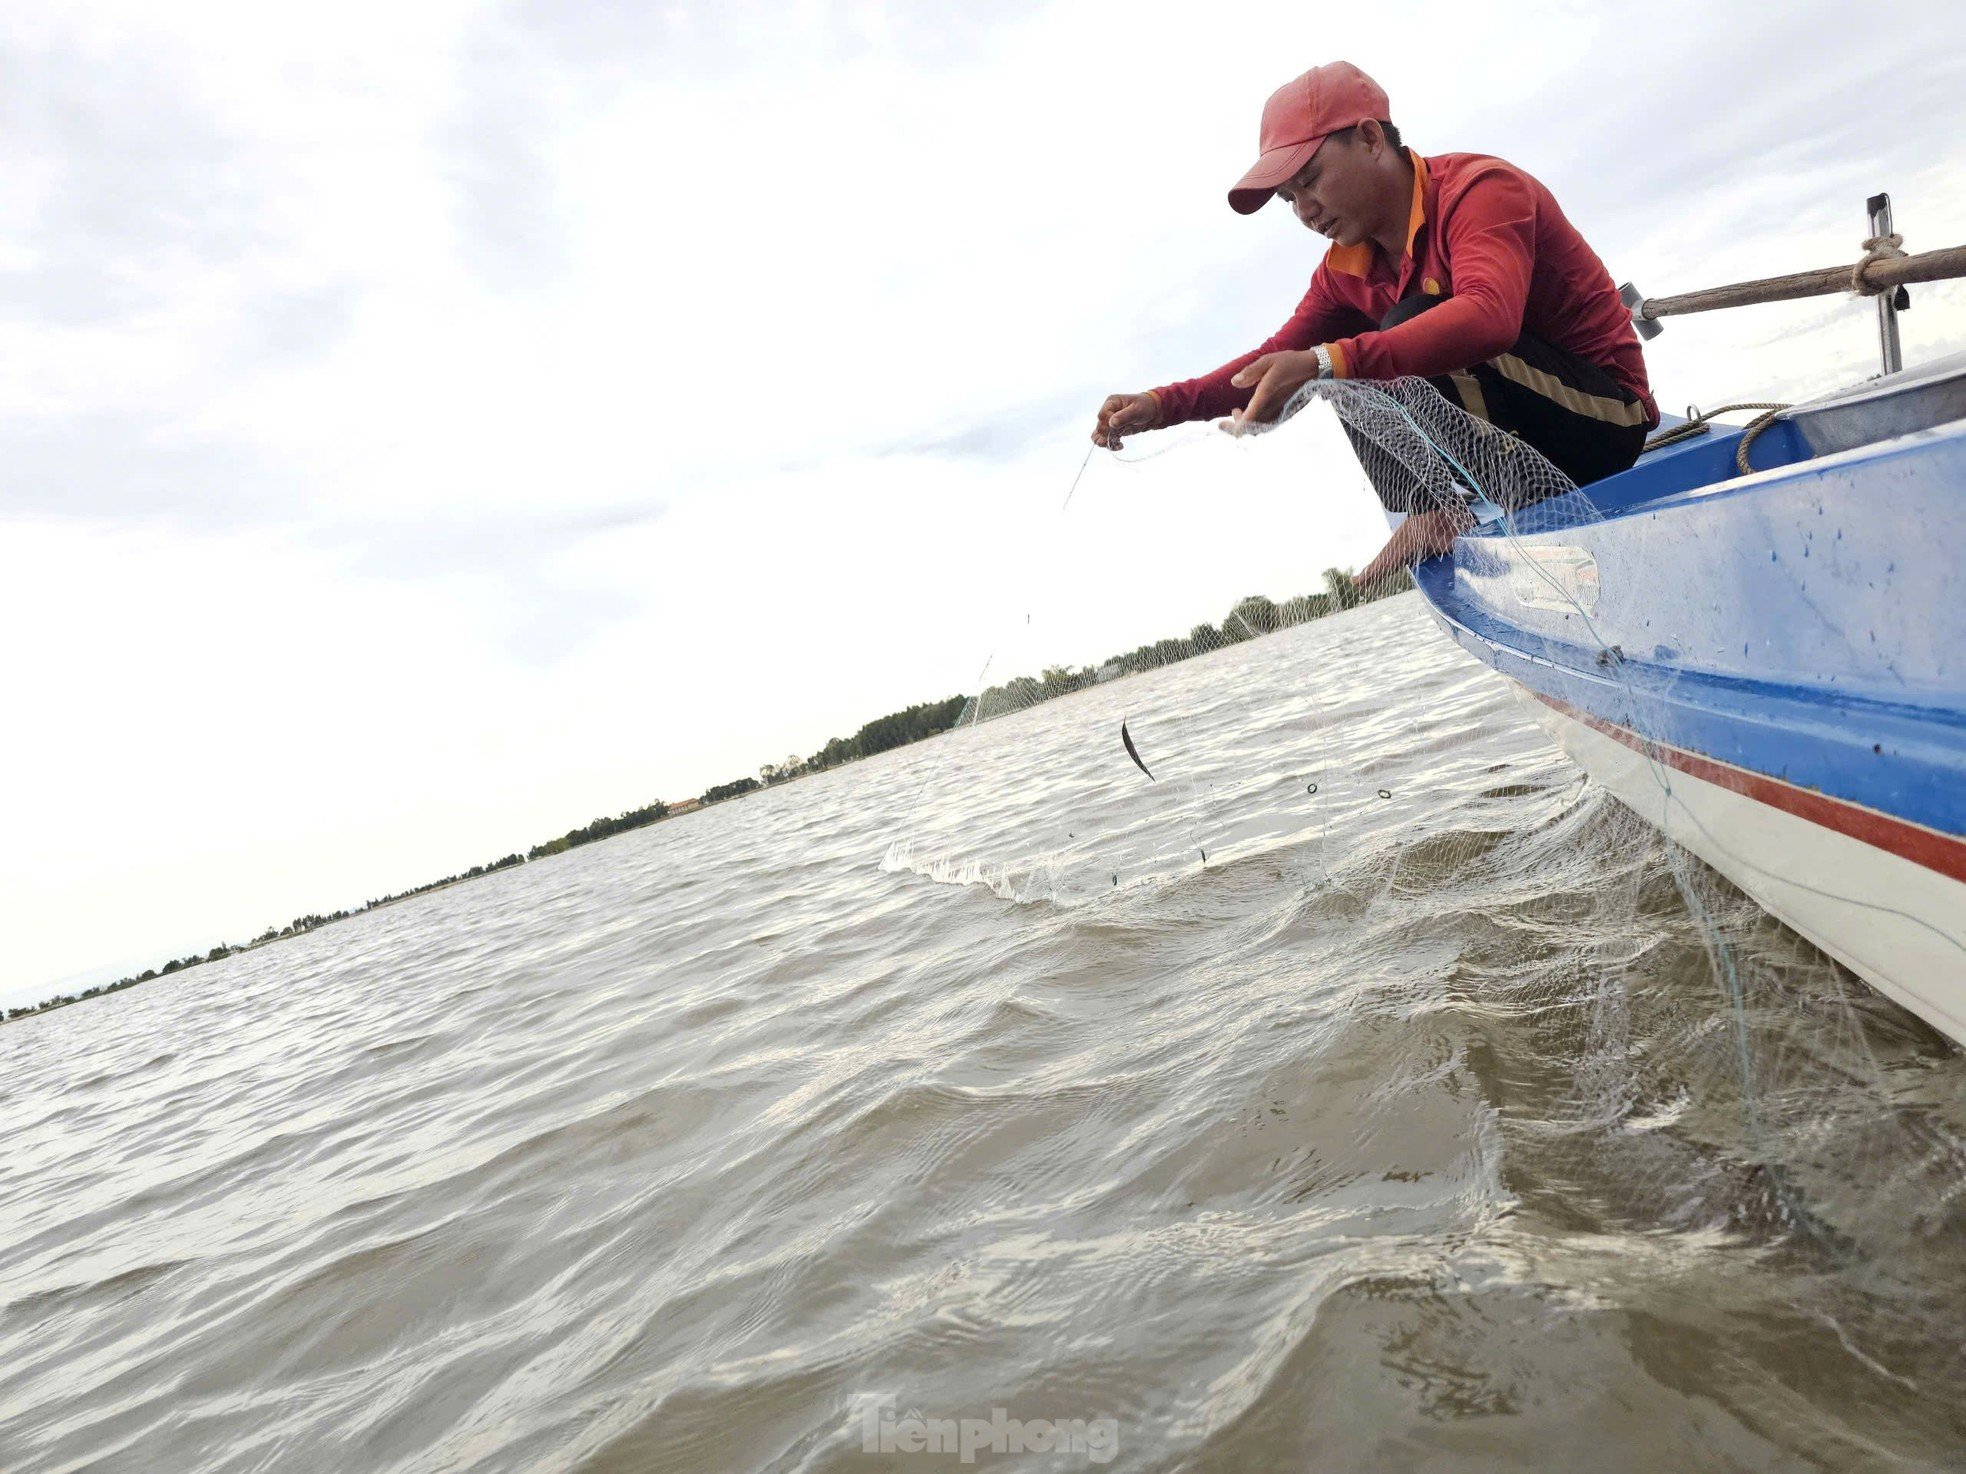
{"points": [[1459, 268]]}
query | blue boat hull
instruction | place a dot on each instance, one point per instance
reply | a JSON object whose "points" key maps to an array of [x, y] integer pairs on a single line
{"points": [[1770, 667]]}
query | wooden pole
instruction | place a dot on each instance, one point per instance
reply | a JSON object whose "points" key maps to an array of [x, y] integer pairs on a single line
{"points": [[1882, 275]]}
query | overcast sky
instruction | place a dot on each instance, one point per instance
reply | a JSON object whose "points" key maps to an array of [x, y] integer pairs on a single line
{"points": [[427, 425]]}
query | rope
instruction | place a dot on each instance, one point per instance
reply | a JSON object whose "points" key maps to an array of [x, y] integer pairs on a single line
{"points": [[1697, 420], [1877, 248], [1753, 428]]}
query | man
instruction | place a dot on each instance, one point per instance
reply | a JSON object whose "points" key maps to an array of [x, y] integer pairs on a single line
{"points": [[1457, 267]]}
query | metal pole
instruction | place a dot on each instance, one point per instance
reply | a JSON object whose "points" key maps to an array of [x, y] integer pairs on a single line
{"points": [[1879, 206]]}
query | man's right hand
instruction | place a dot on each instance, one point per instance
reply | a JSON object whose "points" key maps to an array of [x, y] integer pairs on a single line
{"points": [[1122, 415]]}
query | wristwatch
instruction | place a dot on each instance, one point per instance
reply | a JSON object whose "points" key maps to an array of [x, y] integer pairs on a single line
{"points": [[1323, 362]]}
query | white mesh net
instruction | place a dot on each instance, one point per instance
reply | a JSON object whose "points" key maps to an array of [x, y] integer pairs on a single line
{"points": [[1683, 1059]]}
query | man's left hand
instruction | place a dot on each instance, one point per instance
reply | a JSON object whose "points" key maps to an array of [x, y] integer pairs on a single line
{"points": [[1276, 376]]}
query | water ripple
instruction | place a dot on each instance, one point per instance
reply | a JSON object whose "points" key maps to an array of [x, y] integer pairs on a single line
{"points": [[1408, 1130]]}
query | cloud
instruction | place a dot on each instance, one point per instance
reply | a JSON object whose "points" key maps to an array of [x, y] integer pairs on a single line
{"points": [[495, 158], [1001, 437], [511, 564], [118, 464], [125, 178]]}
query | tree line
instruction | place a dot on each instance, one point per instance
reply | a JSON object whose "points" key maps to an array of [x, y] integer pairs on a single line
{"points": [[1248, 619]]}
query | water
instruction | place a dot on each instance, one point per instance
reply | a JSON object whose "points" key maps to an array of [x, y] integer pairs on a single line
{"points": [[1407, 1133]]}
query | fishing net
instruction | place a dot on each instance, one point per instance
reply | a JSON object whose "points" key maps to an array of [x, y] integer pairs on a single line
{"points": [[1728, 1025], [1683, 1060]]}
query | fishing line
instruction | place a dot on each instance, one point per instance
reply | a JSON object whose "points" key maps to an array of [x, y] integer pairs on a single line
{"points": [[975, 712], [1073, 491]]}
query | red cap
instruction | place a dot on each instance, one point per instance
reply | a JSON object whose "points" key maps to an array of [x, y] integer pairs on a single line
{"points": [[1298, 117]]}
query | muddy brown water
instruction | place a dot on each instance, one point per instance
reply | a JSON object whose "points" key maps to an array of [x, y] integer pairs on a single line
{"points": [[946, 1092]]}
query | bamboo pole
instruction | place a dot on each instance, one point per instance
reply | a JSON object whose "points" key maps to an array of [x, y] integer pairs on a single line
{"points": [[1880, 275]]}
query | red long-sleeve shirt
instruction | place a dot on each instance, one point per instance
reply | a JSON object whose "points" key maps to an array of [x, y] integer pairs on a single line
{"points": [[1491, 240]]}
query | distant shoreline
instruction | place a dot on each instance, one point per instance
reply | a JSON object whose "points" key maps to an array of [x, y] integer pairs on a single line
{"points": [[1250, 618]]}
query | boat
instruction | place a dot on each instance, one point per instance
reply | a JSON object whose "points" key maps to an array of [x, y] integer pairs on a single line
{"points": [[1768, 665]]}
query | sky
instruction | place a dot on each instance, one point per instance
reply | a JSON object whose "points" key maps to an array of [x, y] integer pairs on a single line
{"points": [[427, 426]]}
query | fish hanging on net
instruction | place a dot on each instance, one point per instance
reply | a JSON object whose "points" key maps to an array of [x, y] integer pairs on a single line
{"points": [[1134, 753]]}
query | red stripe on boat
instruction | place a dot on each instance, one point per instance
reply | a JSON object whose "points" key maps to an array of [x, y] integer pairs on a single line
{"points": [[1944, 853]]}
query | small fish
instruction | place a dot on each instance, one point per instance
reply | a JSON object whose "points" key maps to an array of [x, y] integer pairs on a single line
{"points": [[1134, 753]]}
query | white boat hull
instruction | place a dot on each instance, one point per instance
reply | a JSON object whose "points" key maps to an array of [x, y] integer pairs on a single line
{"points": [[1888, 905]]}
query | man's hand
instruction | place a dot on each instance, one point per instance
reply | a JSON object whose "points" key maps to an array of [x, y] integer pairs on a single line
{"points": [[1423, 535], [1122, 415], [1276, 376]]}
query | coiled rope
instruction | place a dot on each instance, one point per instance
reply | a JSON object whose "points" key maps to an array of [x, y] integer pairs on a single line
{"points": [[1697, 424]]}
